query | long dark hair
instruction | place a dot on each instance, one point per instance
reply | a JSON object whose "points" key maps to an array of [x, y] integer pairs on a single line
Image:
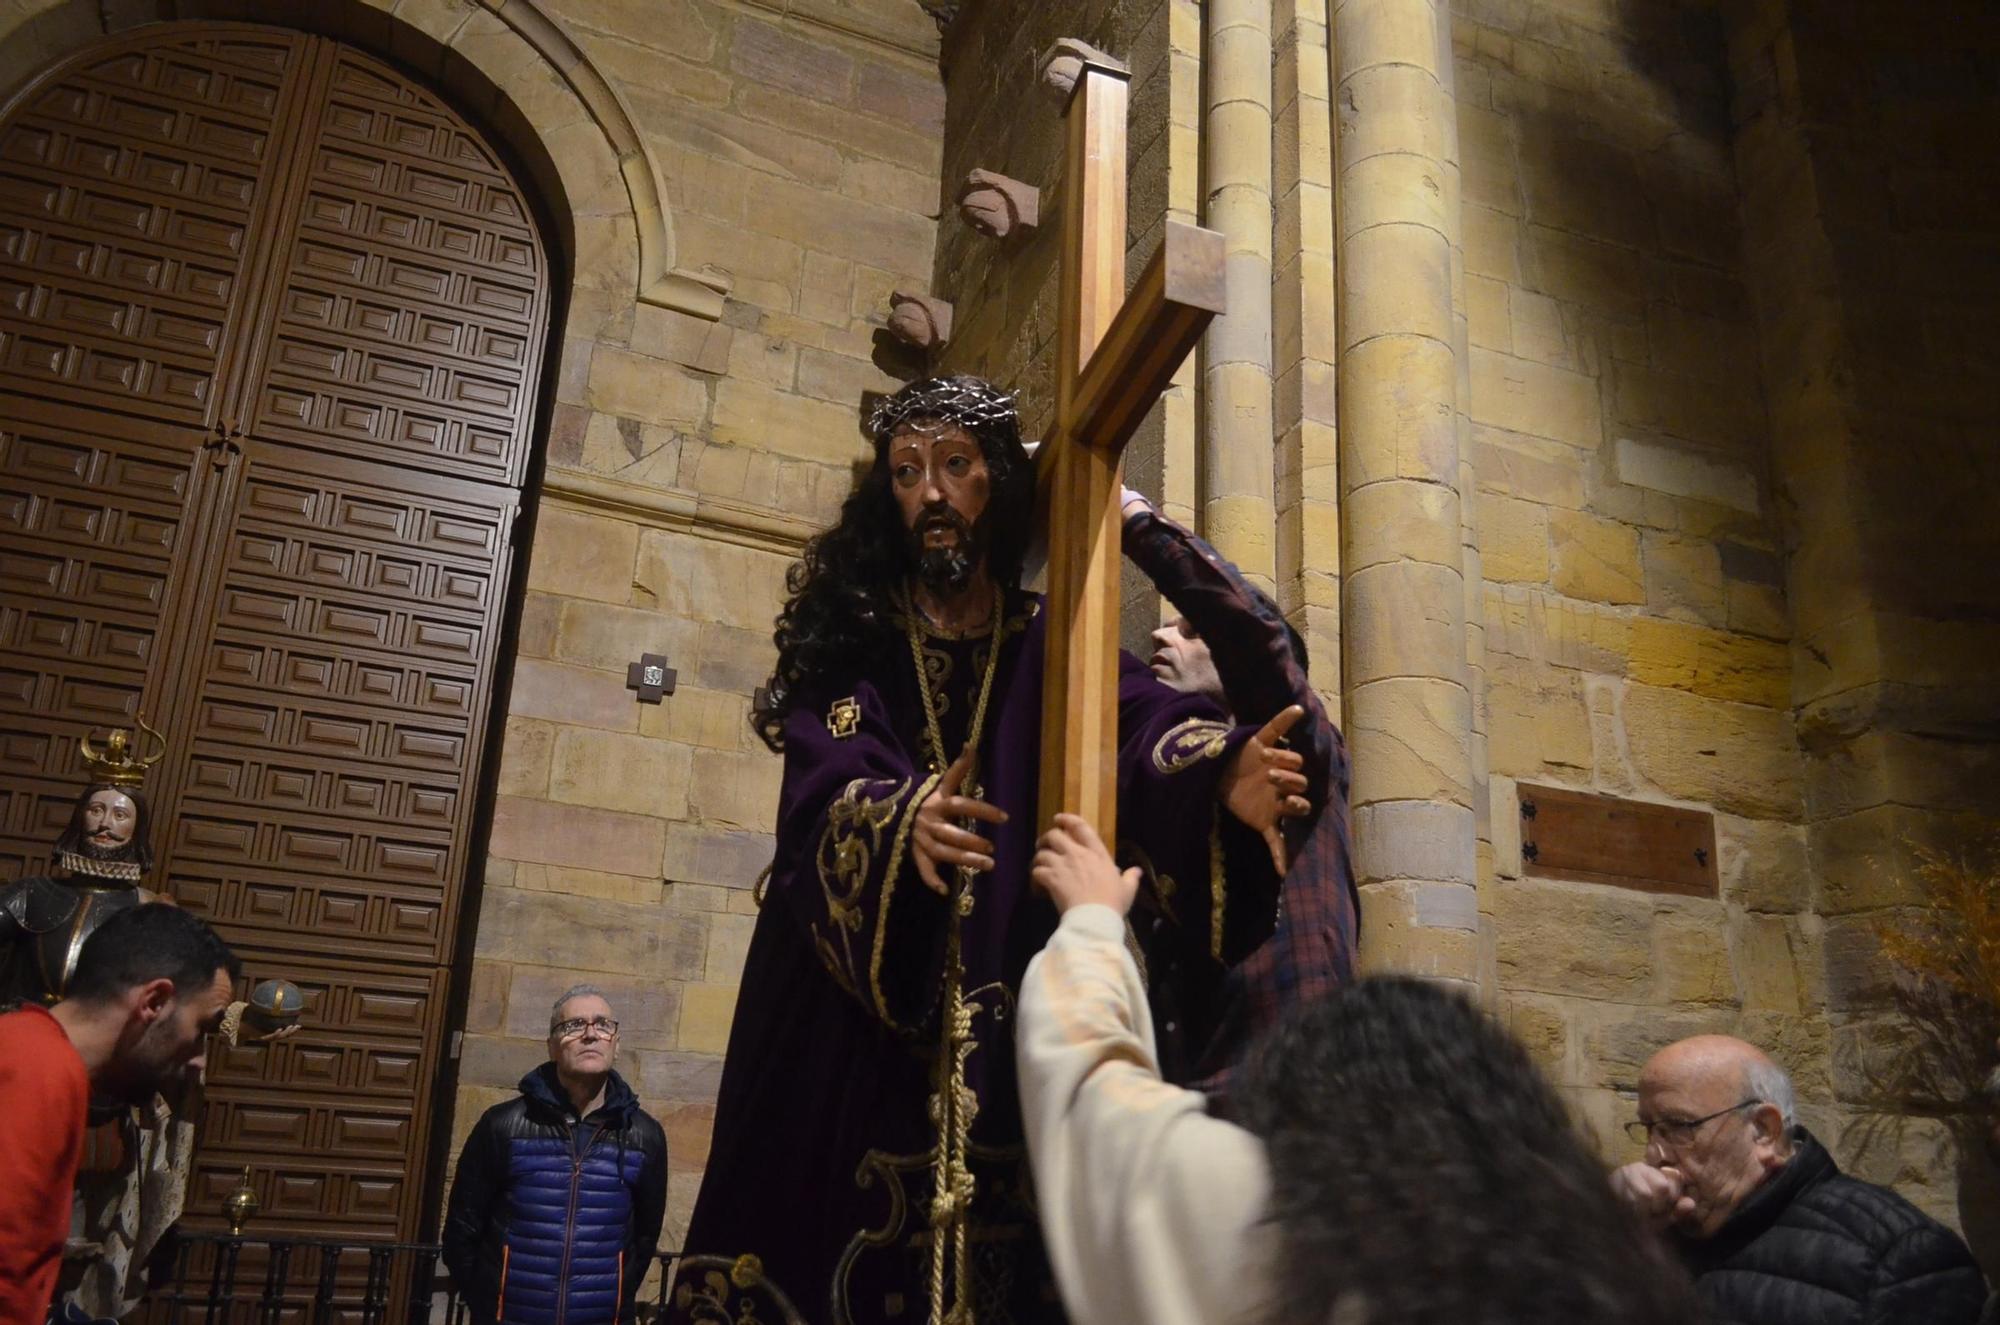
{"points": [[1424, 1171], [839, 611]]}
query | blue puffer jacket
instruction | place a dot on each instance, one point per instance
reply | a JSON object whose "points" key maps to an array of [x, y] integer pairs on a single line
{"points": [[553, 1219]]}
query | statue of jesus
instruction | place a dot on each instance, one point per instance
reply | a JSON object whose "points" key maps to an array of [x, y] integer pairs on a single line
{"points": [[868, 1144]]}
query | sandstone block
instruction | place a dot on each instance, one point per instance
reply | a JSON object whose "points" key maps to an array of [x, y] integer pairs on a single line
{"points": [[681, 338], [1513, 539], [706, 1011], [588, 936], [537, 636], [755, 415], [1684, 579], [728, 945], [524, 757], [1492, 242], [1414, 840], [1739, 758], [1642, 398], [788, 60], [1523, 396], [1767, 952], [1415, 731], [1405, 522], [646, 1007], [489, 1066], [736, 789], [1867, 860], [1396, 416], [1603, 277], [1539, 1024], [637, 386], [1397, 943], [1691, 954], [1537, 719], [486, 1000], [571, 695], [613, 771], [1596, 560], [1714, 663], [1537, 331], [1585, 187], [1395, 279], [1623, 1038], [723, 857], [598, 635], [709, 719], [677, 1076], [1762, 864], [1576, 940], [1404, 619], [734, 659], [552, 834], [1534, 625], [635, 889], [581, 555]]}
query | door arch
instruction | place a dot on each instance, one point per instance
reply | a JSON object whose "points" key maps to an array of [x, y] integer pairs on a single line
{"points": [[273, 320]]}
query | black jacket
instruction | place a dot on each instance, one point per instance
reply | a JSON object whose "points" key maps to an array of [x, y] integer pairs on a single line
{"points": [[1815, 1247], [553, 1219]]}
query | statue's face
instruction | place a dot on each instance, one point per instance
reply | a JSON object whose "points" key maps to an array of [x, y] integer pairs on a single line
{"points": [[109, 819], [942, 486]]}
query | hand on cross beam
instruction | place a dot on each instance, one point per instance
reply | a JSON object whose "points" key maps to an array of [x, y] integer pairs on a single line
{"points": [[1262, 784]]}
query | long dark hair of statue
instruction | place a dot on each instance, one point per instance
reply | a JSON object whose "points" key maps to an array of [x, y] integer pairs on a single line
{"points": [[839, 616], [1424, 1172]]}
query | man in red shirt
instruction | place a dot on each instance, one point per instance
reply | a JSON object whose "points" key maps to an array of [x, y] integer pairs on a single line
{"points": [[150, 986]]}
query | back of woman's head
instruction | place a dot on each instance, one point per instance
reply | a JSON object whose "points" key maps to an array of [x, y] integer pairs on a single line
{"points": [[1425, 1172]]}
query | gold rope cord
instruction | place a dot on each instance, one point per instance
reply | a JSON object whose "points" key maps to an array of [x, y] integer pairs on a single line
{"points": [[953, 1106]]}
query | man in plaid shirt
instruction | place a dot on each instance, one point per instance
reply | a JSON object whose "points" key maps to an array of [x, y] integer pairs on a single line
{"points": [[1231, 642]]}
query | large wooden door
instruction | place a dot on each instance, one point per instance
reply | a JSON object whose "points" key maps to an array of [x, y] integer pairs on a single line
{"points": [[266, 491]]}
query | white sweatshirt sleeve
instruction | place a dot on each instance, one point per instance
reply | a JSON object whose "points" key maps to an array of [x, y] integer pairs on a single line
{"points": [[1152, 1210]]}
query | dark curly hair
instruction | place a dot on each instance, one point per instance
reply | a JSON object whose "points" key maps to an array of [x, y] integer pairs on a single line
{"points": [[1425, 1173], [839, 609]]}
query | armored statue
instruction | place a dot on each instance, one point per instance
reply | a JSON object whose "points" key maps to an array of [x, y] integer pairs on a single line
{"points": [[133, 1181], [100, 862]]}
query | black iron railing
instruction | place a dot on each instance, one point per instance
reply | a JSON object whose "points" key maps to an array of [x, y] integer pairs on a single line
{"points": [[221, 1279]]}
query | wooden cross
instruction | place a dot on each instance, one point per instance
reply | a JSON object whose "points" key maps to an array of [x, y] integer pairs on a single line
{"points": [[1115, 355]]}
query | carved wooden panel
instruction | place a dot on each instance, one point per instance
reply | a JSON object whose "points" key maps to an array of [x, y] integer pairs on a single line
{"points": [[272, 324], [130, 188], [92, 539]]}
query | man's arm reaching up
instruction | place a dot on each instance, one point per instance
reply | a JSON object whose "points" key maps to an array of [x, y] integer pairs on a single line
{"points": [[1151, 1209]]}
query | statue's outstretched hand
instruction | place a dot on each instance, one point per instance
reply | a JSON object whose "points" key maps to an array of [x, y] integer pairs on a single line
{"points": [[1262, 784], [941, 840]]}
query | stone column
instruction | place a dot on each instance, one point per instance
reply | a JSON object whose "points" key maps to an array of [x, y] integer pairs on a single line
{"points": [[1239, 512], [1408, 701]]}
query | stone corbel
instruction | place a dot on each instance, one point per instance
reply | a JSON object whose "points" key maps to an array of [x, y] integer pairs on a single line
{"points": [[997, 206], [919, 320], [1063, 64]]}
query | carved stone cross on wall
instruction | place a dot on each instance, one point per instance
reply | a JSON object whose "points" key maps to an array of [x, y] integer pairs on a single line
{"points": [[1115, 355], [651, 677]]}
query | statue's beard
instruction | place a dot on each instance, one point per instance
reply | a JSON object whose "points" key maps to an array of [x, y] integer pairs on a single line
{"points": [[89, 850], [947, 571]]}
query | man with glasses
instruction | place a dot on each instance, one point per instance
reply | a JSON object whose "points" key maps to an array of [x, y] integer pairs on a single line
{"points": [[556, 1208], [1771, 1229]]}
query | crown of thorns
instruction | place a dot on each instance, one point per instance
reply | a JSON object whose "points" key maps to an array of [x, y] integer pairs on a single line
{"points": [[931, 406]]}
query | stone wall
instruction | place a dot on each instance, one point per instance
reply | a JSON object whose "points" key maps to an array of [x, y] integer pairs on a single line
{"points": [[1636, 628], [1873, 224], [687, 458]]}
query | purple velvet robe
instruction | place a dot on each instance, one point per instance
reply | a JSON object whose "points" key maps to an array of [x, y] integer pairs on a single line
{"points": [[820, 1164]]}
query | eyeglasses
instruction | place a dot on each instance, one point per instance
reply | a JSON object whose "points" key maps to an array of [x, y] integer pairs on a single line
{"points": [[575, 1026], [1676, 1131]]}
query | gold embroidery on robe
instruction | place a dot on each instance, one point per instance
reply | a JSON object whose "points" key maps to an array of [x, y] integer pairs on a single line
{"points": [[855, 824], [1188, 743]]}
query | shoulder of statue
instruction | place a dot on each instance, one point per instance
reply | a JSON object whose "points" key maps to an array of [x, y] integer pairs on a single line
{"points": [[39, 904]]}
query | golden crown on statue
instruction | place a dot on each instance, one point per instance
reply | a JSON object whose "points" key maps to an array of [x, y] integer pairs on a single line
{"points": [[121, 762]]}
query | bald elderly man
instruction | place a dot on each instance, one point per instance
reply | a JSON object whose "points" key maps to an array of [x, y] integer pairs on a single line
{"points": [[1771, 1230]]}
